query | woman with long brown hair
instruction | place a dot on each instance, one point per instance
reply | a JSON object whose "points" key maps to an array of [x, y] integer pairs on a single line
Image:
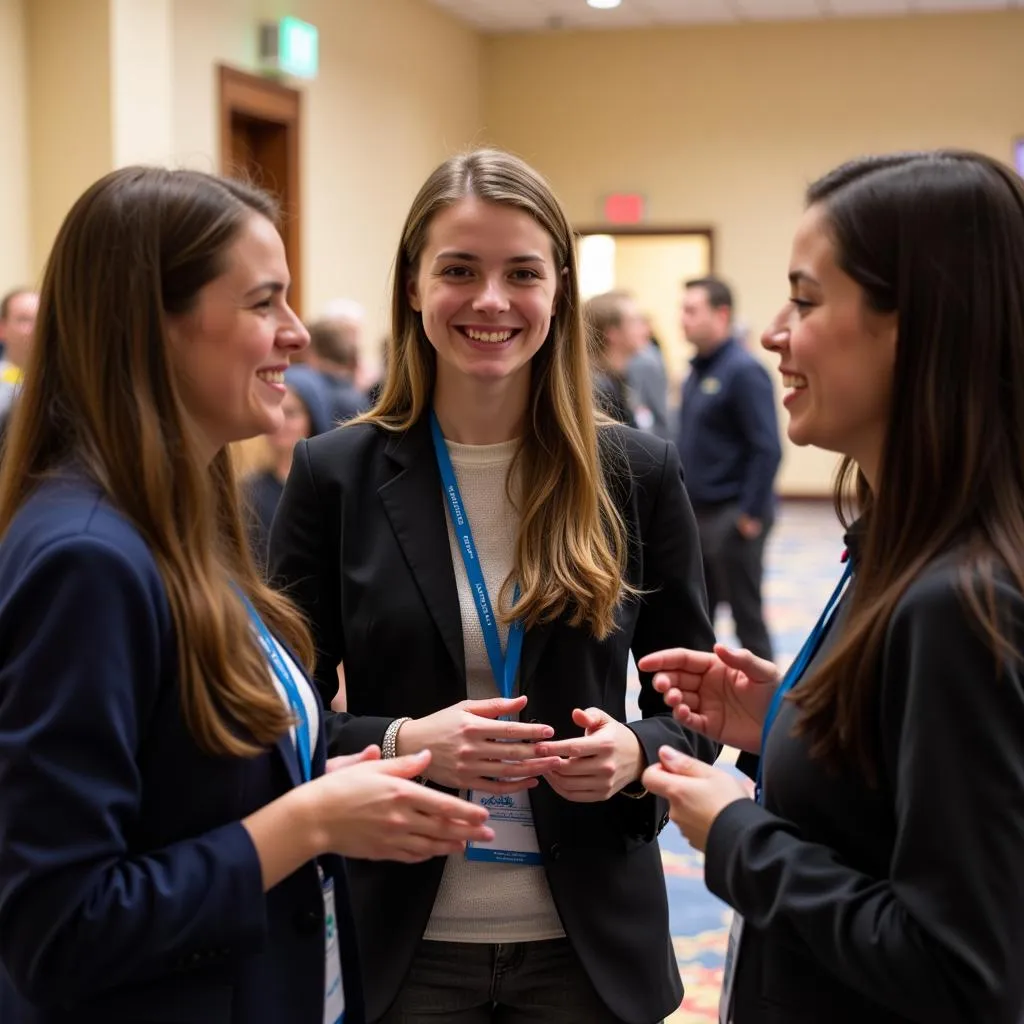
{"points": [[877, 877], [168, 823], [482, 551]]}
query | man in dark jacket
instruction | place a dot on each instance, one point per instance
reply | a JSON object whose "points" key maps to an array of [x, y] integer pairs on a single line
{"points": [[729, 445]]}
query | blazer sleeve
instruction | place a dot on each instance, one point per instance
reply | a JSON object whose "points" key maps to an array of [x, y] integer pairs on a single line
{"points": [[673, 610], [81, 637], [939, 938], [305, 563]]}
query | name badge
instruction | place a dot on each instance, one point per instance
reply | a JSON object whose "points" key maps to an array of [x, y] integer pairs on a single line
{"points": [[511, 819], [334, 990], [729, 973]]}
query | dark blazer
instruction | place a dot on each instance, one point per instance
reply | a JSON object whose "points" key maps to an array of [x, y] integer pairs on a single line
{"points": [[899, 902], [361, 543], [129, 890]]}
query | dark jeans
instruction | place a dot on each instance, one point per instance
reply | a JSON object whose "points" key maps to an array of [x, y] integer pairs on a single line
{"points": [[509, 983], [733, 570]]}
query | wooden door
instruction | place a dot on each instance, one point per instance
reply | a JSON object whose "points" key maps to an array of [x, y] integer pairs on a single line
{"points": [[260, 123]]}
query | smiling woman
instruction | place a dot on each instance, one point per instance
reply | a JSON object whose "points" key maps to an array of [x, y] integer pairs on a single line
{"points": [[234, 344], [876, 877], [169, 823], [486, 288], [482, 551]]}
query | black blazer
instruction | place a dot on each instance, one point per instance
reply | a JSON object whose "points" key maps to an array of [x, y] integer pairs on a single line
{"points": [[361, 542], [129, 889], [902, 901]]}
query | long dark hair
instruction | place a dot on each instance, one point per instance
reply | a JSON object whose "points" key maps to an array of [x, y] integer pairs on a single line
{"points": [[101, 391], [938, 239]]}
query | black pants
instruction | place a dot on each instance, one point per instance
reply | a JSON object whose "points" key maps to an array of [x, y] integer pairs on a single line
{"points": [[733, 571], [507, 983]]}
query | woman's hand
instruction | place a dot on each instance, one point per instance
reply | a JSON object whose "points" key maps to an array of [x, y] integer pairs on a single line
{"points": [[471, 749], [696, 792], [723, 694], [369, 808], [598, 764]]}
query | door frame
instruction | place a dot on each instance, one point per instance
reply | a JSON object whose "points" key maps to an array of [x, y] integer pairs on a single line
{"points": [[264, 100], [654, 231]]}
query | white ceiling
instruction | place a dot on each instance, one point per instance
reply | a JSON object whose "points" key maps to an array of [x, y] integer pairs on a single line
{"points": [[541, 15]]}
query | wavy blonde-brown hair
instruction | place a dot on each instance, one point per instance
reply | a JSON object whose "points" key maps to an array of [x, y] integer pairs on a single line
{"points": [[101, 393], [570, 552]]}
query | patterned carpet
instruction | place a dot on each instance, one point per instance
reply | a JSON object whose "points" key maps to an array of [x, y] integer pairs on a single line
{"points": [[802, 567]]}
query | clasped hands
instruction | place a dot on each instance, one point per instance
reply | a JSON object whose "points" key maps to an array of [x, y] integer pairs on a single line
{"points": [[725, 695], [474, 746]]}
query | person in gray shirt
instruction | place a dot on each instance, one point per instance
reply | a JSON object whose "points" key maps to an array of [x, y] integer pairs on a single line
{"points": [[649, 383]]}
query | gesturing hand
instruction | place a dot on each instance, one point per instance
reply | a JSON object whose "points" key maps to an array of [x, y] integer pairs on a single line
{"points": [[369, 809], [696, 792], [472, 750], [335, 764], [723, 694], [598, 764]]}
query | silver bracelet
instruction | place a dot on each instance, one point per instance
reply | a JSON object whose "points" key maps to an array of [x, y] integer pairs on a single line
{"points": [[389, 745]]}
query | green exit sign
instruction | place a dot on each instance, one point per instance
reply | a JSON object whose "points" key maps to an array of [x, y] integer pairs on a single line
{"points": [[290, 46]]}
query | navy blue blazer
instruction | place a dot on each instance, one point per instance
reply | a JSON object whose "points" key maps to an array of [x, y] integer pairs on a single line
{"points": [[129, 890]]}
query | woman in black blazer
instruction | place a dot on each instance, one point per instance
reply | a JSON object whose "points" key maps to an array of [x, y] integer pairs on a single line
{"points": [[169, 823], [577, 528], [878, 878]]}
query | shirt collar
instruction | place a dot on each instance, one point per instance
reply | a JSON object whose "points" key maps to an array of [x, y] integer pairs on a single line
{"points": [[701, 363]]}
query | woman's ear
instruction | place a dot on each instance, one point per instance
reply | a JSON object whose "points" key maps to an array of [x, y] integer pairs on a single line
{"points": [[412, 291], [563, 278]]}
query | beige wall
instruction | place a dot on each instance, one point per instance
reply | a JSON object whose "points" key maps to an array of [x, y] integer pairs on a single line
{"points": [[725, 125], [69, 109], [141, 86], [96, 80], [398, 91], [15, 243]]}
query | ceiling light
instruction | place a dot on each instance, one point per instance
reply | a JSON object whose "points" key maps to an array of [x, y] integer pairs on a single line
{"points": [[603, 5]]}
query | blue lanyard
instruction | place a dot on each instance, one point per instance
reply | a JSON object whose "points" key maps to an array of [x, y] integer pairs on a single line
{"points": [[503, 666], [285, 678], [795, 672]]}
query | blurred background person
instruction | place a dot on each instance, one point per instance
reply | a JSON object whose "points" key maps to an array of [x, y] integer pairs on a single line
{"points": [[305, 415], [729, 444], [18, 310], [617, 332], [334, 359], [648, 381]]}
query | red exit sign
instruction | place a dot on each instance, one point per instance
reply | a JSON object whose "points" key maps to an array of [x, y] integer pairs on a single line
{"points": [[624, 208]]}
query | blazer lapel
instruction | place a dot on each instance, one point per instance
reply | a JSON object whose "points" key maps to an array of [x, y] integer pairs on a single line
{"points": [[534, 644], [286, 748], [413, 501]]}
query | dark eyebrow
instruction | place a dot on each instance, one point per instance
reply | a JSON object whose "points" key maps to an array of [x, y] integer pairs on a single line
{"points": [[468, 257], [802, 277], [273, 286]]}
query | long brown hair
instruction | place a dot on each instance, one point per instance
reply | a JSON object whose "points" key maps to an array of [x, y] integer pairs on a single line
{"points": [[571, 548], [937, 239], [101, 393]]}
